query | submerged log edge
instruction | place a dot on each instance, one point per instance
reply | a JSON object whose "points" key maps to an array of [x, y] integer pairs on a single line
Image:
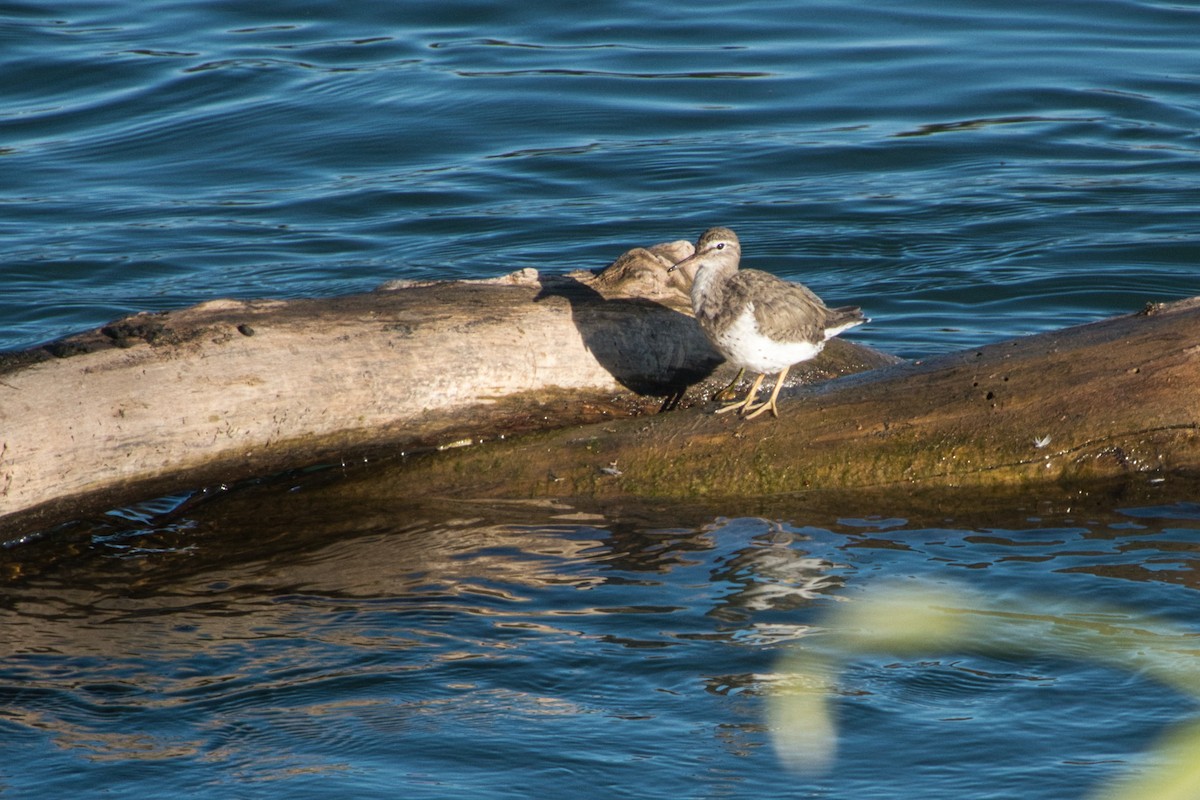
{"points": [[230, 390]]}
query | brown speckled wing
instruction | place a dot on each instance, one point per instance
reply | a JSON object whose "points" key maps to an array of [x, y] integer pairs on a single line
{"points": [[784, 311]]}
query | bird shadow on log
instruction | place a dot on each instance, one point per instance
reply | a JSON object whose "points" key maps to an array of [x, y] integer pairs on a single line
{"points": [[648, 347]]}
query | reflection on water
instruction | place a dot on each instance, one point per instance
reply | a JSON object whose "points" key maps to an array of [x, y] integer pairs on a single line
{"points": [[427, 652], [914, 621]]}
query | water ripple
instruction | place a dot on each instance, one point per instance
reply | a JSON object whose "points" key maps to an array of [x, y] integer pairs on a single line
{"points": [[604, 74], [493, 640]]}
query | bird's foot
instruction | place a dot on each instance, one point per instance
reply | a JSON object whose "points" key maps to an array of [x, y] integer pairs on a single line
{"points": [[739, 405], [743, 405], [751, 412]]}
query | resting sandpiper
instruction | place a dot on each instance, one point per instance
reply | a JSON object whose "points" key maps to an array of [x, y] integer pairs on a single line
{"points": [[757, 321]]}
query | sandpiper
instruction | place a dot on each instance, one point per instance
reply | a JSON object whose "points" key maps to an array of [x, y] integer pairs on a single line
{"points": [[757, 321]]}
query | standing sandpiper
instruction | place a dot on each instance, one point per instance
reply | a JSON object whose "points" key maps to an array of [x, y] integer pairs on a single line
{"points": [[755, 320]]}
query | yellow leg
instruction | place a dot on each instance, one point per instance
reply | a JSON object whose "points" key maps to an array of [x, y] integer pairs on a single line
{"points": [[770, 404], [743, 404]]}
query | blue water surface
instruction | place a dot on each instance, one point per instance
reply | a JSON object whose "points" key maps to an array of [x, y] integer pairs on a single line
{"points": [[520, 653], [966, 171]]}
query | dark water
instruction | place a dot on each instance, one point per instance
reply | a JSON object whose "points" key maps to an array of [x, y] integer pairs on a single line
{"points": [[966, 171], [524, 652]]}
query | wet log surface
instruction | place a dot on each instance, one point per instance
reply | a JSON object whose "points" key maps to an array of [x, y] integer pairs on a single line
{"points": [[541, 376], [228, 390], [1111, 407]]}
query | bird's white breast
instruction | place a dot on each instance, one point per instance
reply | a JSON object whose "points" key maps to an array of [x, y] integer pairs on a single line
{"points": [[741, 343]]}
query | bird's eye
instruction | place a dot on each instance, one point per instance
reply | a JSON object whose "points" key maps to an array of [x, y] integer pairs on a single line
{"points": [[720, 245]]}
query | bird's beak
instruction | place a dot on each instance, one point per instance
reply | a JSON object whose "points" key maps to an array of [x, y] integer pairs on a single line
{"points": [[679, 264]]}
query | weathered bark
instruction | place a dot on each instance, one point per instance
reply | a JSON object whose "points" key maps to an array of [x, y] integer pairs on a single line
{"points": [[228, 390], [1112, 405], [231, 389]]}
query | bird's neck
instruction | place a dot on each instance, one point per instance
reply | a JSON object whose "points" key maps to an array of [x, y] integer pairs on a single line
{"points": [[708, 288]]}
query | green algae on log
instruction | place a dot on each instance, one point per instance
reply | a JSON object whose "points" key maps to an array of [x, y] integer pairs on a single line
{"points": [[1111, 400]]}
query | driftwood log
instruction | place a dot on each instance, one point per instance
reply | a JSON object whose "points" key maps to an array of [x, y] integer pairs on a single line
{"points": [[1115, 402], [226, 390]]}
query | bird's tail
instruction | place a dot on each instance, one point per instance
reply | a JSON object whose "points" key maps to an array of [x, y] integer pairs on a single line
{"points": [[840, 319]]}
